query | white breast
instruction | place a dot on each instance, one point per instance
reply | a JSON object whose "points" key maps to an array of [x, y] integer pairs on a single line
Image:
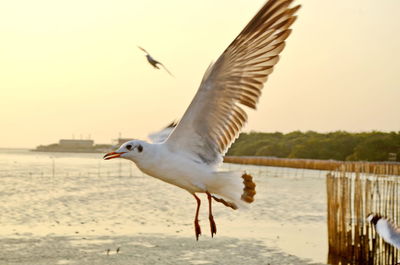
{"points": [[176, 168]]}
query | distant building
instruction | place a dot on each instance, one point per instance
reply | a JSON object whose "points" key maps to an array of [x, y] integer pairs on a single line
{"points": [[76, 143], [75, 146]]}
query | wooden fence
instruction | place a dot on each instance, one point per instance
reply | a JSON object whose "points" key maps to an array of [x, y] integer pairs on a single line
{"points": [[317, 164], [354, 190]]}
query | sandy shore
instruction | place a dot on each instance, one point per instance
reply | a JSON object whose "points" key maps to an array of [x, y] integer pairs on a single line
{"points": [[141, 249]]}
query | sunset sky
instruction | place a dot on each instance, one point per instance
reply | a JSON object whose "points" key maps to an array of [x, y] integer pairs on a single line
{"points": [[73, 67]]}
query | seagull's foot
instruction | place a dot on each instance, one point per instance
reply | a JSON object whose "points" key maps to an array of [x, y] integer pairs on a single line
{"points": [[213, 226], [197, 229]]}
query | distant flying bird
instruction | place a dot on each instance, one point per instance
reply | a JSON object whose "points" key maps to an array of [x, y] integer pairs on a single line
{"points": [[190, 156], [154, 62], [386, 229]]}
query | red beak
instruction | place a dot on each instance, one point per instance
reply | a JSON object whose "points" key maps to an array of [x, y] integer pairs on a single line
{"points": [[112, 155]]}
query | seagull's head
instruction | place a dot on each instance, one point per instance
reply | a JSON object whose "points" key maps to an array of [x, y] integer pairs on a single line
{"points": [[131, 150], [373, 218]]}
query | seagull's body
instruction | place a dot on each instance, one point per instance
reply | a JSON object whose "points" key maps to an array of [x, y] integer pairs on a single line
{"points": [[154, 62], [171, 167], [190, 156], [180, 169], [386, 229]]}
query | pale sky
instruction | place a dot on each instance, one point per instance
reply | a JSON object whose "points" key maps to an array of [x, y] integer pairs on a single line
{"points": [[72, 67]]}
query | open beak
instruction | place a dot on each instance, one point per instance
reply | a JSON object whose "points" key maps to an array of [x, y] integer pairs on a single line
{"points": [[112, 155]]}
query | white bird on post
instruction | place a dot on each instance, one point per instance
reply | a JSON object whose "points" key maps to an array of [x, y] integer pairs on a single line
{"points": [[386, 229], [189, 157]]}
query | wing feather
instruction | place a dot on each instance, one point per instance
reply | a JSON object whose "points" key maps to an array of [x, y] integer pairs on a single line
{"points": [[215, 116], [161, 136]]}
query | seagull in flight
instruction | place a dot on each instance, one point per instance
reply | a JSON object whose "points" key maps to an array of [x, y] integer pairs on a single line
{"points": [[154, 62], [386, 229], [190, 156]]}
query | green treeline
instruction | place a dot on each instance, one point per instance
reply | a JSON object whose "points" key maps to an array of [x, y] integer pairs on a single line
{"points": [[340, 145]]}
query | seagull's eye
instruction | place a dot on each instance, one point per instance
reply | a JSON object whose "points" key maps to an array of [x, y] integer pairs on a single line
{"points": [[129, 147], [140, 148]]}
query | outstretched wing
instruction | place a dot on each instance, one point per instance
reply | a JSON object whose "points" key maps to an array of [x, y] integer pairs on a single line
{"points": [[143, 50], [166, 69], [215, 116], [161, 136]]}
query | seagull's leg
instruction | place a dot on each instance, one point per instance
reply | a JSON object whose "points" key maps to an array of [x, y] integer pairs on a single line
{"points": [[210, 216], [196, 218]]}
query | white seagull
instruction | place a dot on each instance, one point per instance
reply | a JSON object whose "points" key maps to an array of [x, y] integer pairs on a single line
{"points": [[189, 157], [154, 62], [386, 229]]}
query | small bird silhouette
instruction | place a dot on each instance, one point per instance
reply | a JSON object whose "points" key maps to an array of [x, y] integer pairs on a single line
{"points": [[117, 250], [154, 62]]}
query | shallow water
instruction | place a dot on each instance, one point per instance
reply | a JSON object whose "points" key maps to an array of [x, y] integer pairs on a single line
{"points": [[68, 202]]}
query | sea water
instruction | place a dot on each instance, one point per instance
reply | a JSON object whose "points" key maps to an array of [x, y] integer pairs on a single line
{"points": [[47, 195]]}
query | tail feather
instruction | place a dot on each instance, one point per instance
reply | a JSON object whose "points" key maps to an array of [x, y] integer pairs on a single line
{"points": [[249, 190], [234, 189]]}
